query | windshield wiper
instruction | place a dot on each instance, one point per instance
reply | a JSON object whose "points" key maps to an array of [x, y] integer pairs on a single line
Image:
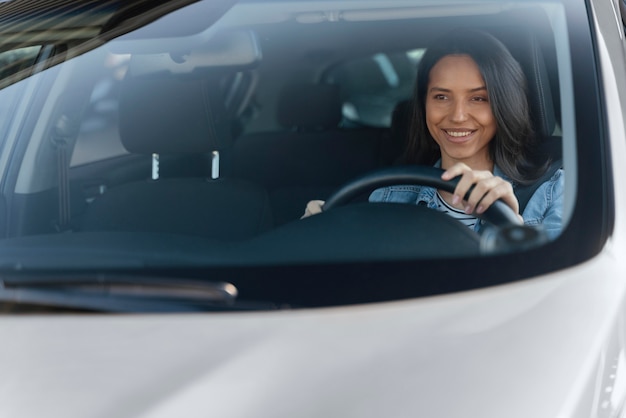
{"points": [[122, 293]]}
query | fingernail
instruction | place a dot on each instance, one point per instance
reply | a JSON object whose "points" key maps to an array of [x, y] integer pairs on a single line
{"points": [[456, 199], [467, 209], [480, 209]]}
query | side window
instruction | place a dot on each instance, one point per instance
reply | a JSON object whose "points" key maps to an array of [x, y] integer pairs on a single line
{"points": [[12, 62], [16, 60], [372, 86]]}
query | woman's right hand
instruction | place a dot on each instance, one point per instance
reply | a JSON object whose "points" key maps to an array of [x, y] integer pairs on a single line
{"points": [[487, 189], [313, 208]]}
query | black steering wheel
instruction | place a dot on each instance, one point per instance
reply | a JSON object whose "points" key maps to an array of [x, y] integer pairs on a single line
{"points": [[380, 231], [498, 214]]}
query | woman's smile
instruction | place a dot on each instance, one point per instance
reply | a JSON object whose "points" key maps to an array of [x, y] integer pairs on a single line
{"points": [[459, 136]]}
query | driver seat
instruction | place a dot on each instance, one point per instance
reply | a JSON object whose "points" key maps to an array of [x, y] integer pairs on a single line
{"points": [[544, 105]]}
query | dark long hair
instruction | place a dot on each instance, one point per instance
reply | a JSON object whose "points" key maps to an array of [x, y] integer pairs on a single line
{"points": [[506, 87]]}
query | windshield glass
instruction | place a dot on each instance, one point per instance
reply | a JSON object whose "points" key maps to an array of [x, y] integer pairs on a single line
{"points": [[208, 136]]}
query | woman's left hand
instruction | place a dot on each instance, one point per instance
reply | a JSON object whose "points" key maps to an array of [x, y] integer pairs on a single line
{"points": [[487, 189]]}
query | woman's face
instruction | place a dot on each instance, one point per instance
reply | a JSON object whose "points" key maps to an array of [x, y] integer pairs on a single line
{"points": [[458, 113]]}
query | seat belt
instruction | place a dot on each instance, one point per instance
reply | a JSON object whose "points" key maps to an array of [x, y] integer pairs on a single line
{"points": [[525, 192]]}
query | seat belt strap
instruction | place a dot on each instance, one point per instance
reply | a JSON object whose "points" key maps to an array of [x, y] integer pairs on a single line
{"points": [[524, 193]]}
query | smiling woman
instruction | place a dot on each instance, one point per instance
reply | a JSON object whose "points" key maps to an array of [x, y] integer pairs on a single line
{"points": [[458, 113], [471, 117]]}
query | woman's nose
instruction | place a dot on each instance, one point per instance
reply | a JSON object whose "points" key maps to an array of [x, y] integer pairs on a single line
{"points": [[459, 111]]}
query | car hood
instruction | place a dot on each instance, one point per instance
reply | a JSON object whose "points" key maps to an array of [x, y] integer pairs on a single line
{"points": [[532, 348]]}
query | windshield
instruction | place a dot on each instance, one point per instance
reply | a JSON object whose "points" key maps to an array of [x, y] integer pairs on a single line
{"points": [[260, 143]]}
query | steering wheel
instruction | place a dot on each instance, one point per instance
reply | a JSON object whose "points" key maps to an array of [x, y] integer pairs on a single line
{"points": [[380, 231], [498, 214]]}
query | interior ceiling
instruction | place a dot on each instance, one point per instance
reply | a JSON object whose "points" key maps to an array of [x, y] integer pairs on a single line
{"points": [[329, 41]]}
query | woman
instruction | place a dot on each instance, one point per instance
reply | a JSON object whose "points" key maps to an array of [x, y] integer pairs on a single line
{"points": [[471, 117]]}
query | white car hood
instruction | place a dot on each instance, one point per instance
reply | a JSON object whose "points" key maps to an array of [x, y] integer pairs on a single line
{"points": [[529, 349]]}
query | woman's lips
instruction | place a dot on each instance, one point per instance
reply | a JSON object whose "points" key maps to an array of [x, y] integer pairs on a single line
{"points": [[459, 135]]}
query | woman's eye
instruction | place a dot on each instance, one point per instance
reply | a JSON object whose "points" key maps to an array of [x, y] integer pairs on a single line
{"points": [[480, 99], [440, 97]]}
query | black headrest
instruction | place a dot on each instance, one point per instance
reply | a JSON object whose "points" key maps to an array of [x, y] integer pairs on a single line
{"points": [[309, 106], [171, 115]]}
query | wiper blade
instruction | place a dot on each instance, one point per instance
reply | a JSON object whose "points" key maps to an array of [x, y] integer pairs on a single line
{"points": [[120, 293]]}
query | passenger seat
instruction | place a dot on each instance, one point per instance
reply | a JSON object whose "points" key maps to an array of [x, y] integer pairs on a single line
{"points": [[177, 117]]}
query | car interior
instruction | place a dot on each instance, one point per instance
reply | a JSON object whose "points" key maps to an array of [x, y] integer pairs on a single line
{"points": [[189, 145]]}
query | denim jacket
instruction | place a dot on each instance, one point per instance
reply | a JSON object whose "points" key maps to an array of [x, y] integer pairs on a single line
{"points": [[545, 207]]}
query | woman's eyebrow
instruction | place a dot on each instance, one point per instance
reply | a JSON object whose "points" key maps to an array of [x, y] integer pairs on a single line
{"points": [[445, 90]]}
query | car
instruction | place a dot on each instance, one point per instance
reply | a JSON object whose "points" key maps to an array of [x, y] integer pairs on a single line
{"points": [[156, 160]]}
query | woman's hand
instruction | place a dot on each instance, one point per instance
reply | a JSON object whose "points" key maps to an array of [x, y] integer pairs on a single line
{"points": [[313, 208], [487, 189]]}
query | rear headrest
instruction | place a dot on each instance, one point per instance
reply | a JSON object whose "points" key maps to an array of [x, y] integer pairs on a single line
{"points": [[309, 106], [171, 115]]}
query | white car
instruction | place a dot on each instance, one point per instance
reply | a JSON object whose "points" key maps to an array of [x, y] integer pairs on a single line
{"points": [[156, 158]]}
